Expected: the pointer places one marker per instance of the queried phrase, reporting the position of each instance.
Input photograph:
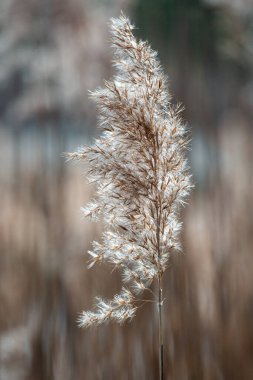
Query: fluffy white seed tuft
(140, 170)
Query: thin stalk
(160, 304)
(158, 228)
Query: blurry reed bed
(47, 54)
(44, 282)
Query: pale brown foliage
(140, 170)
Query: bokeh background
(51, 53)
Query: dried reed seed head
(140, 170)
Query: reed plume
(141, 173)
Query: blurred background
(51, 53)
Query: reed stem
(160, 331)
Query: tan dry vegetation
(48, 50)
(44, 282)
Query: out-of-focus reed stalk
(141, 174)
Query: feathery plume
(141, 174)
